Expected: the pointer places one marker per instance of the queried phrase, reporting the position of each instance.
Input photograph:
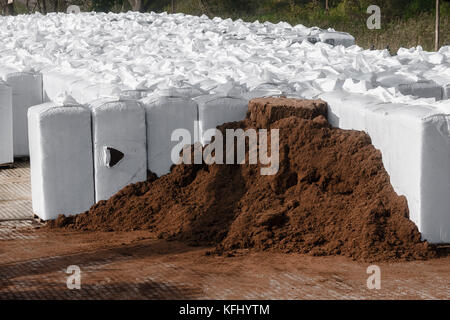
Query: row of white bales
(71, 141)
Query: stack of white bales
(225, 63)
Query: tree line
(391, 8)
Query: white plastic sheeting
(62, 174)
(415, 144)
(99, 54)
(166, 112)
(423, 89)
(26, 92)
(119, 141)
(57, 82)
(214, 110)
(6, 124)
(337, 38)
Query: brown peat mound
(331, 196)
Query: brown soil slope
(331, 196)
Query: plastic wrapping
(422, 89)
(119, 142)
(337, 38)
(26, 92)
(62, 173)
(214, 110)
(57, 82)
(164, 114)
(92, 55)
(415, 145)
(6, 124)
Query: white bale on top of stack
(423, 89)
(166, 111)
(26, 92)
(6, 124)
(61, 158)
(216, 109)
(119, 142)
(226, 103)
(336, 38)
(57, 81)
(415, 144)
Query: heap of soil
(331, 196)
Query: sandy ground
(136, 265)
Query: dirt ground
(136, 265)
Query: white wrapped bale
(119, 139)
(214, 110)
(26, 92)
(6, 124)
(85, 92)
(414, 142)
(422, 89)
(57, 82)
(348, 111)
(62, 174)
(336, 38)
(391, 79)
(261, 94)
(266, 90)
(165, 114)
